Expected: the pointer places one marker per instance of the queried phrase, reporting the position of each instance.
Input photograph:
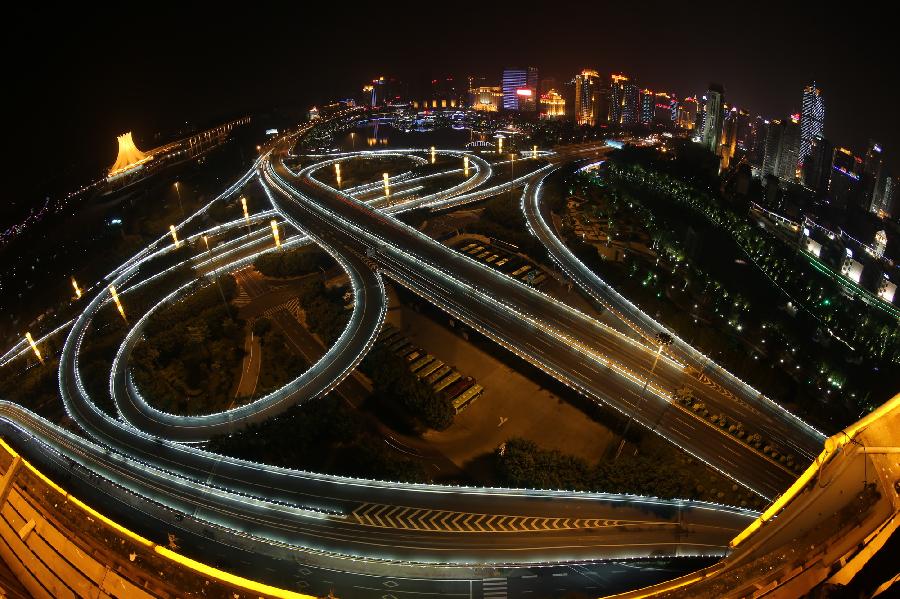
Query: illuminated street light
(337, 173)
(174, 235)
(432, 154)
(115, 296)
(77, 289)
(34, 348)
(275, 233)
(465, 166)
(500, 145)
(534, 152)
(387, 185)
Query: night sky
(80, 75)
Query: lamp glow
(115, 296)
(275, 233)
(34, 348)
(174, 235)
(77, 289)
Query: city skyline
(148, 93)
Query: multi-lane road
(341, 528)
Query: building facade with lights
(586, 89)
(553, 105)
(714, 119)
(812, 118)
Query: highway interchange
(147, 468)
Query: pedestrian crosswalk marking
(411, 518)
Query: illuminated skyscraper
(647, 106)
(715, 116)
(586, 84)
(513, 81)
(624, 101)
(687, 113)
(812, 118)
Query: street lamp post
(216, 277)
(174, 236)
(387, 185)
(465, 166)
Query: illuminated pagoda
(129, 158)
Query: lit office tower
(789, 149)
(513, 81)
(817, 166)
(843, 186)
(812, 118)
(687, 113)
(773, 132)
(586, 84)
(873, 174)
(617, 98)
(631, 106)
(715, 116)
(647, 106)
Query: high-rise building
(812, 118)
(817, 166)
(715, 113)
(843, 185)
(789, 149)
(743, 130)
(885, 206)
(664, 111)
(687, 113)
(553, 105)
(773, 131)
(647, 106)
(624, 101)
(514, 80)
(631, 108)
(586, 90)
(757, 149)
(873, 175)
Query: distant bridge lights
(174, 235)
(115, 296)
(275, 234)
(34, 347)
(77, 289)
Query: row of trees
(292, 263)
(522, 463)
(407, 400)
(322, 435)
(190, 354)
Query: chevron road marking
(422, 519)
